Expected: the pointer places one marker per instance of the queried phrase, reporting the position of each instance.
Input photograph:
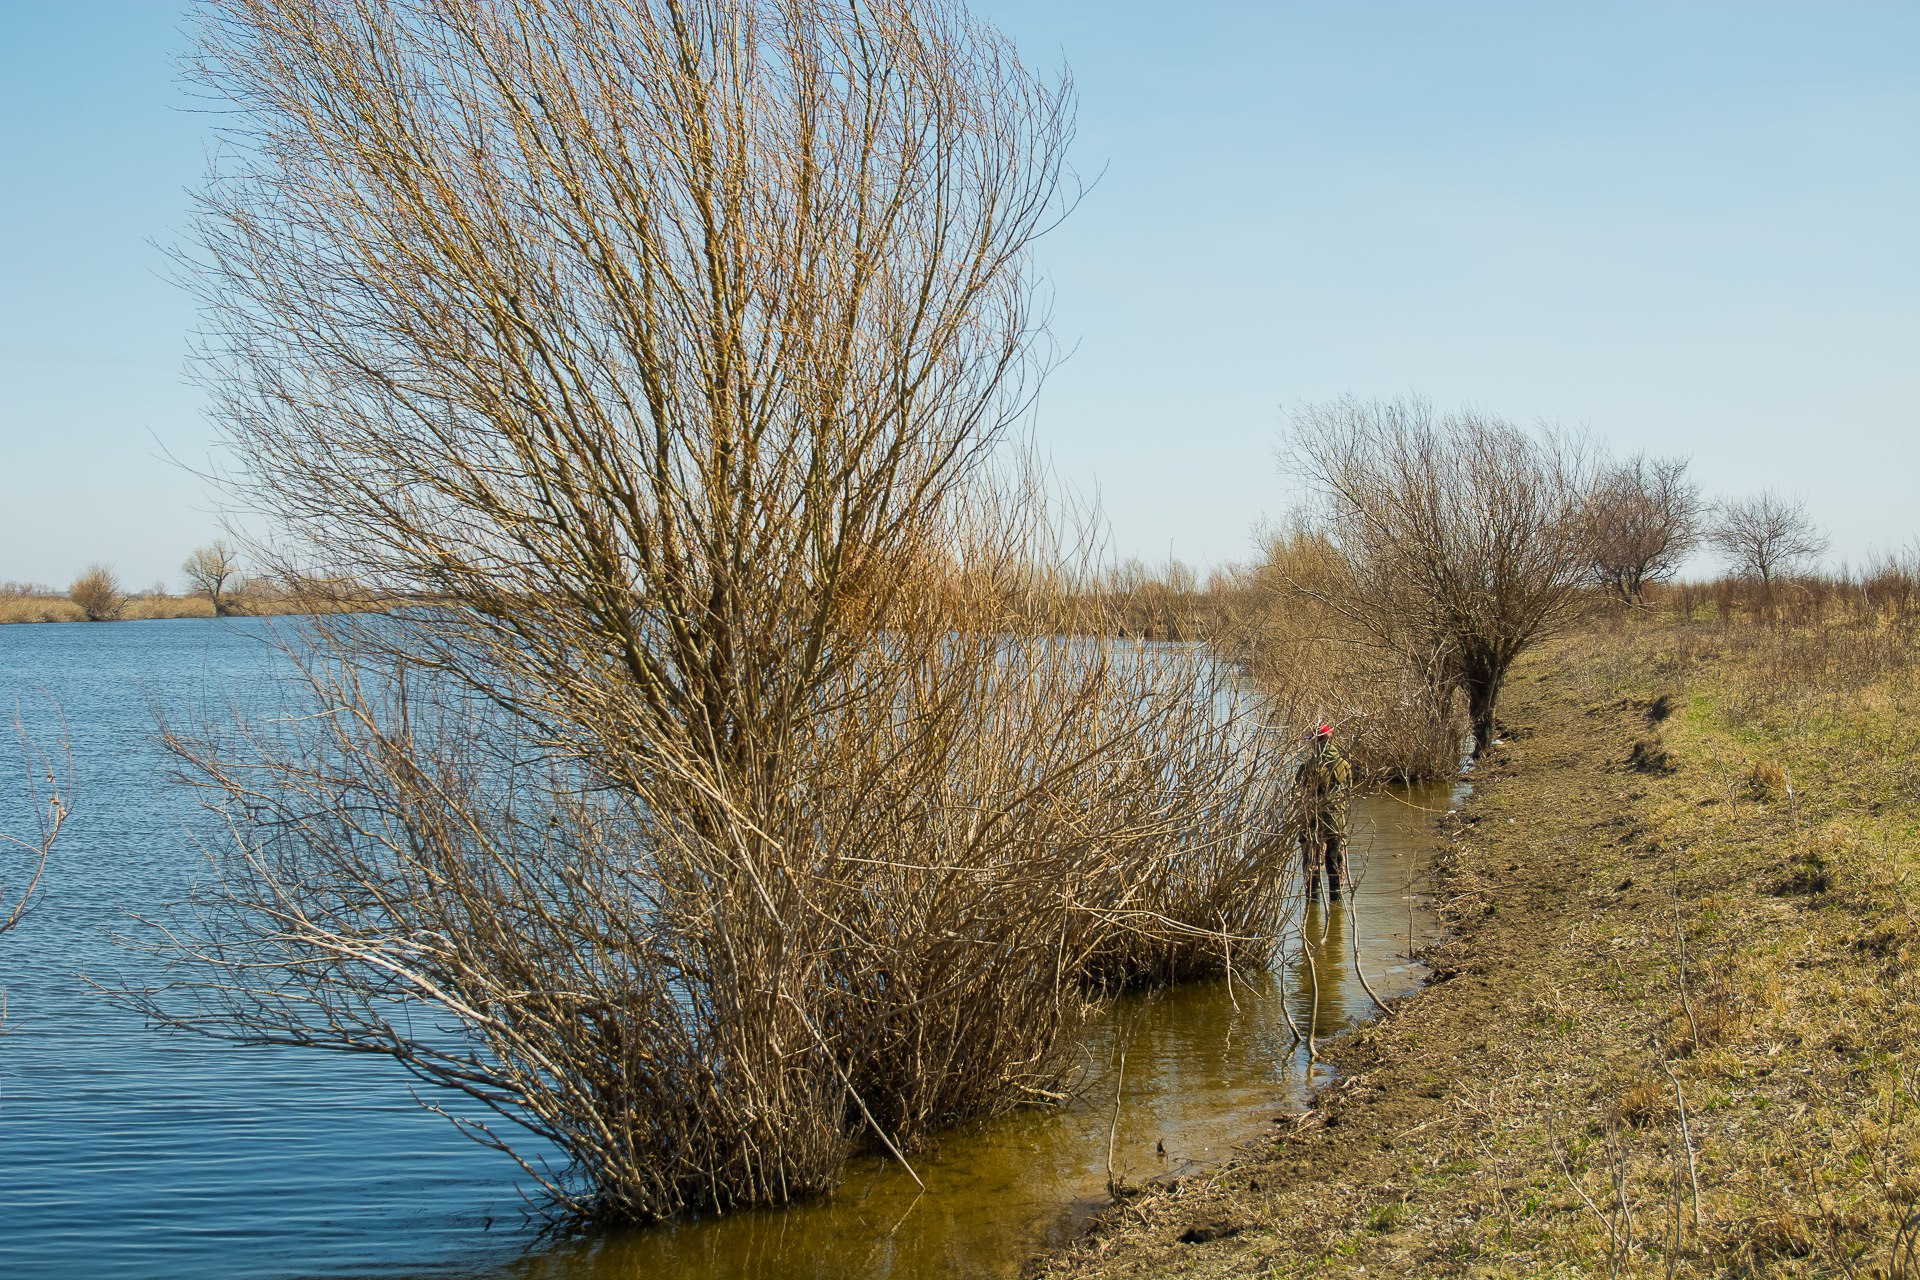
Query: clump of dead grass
(1641, 1104)
(1767, 781)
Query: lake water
(127, 1152)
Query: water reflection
(1320, 975)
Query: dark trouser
(1323, 849)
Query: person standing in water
(1323, 780)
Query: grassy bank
(1675, 1032)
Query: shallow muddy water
(126, 1152)
(1205, 1068)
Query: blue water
(126, 1151)
(131, 1152)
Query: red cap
(1323, 731)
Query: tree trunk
(1482, 694)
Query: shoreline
(1152, 1229)
(59, 611)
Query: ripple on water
(124, 1152)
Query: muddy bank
(1399, 1086)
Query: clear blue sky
(1688, 226)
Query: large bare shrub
(1457, 537)
(1642, 519)
(1394, 714)
(732, 798)
(98, 593)
(706, 997)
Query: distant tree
(98, 593)
(1459, 535)
(1641, 521)
(1766, 535)
(209, 570)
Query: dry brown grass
(152, 608)
(1767, 781)
(260, 601)
(40, 609)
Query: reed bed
(150, 608)
(24, 608)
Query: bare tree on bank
(208, 571)
(1766, 535)
(1643, 518)
(731, 805)
(1458, 536)
(98, 593)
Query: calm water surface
(125, 1152)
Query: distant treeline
(1394, 609)
(214, 586)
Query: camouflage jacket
(1323, 779)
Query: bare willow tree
(1458, 536)
(1766, 535)
(727, 798)
(1642, 519)
(208, 571)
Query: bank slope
(1675, 1031)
